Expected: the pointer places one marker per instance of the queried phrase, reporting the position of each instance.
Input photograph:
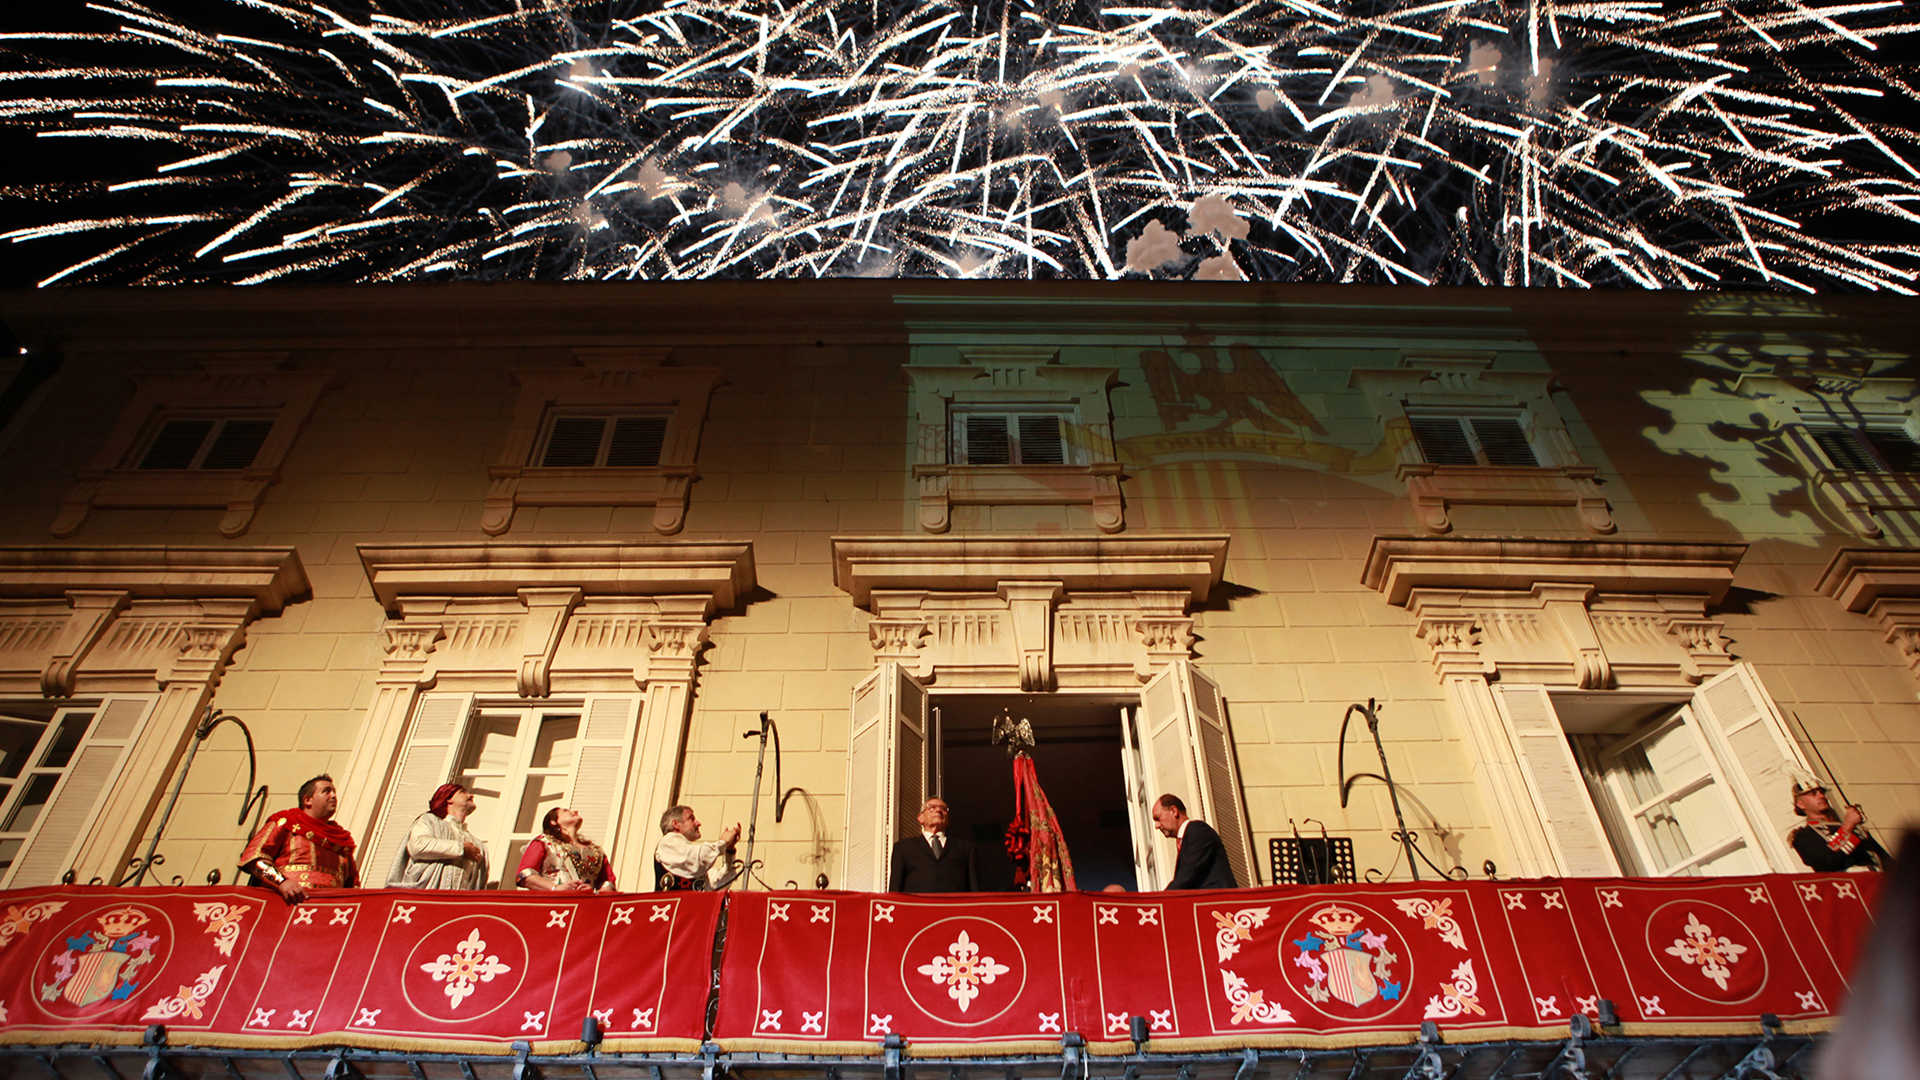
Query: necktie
(939, 845)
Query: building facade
(1616, 569)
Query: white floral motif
(466, 965)
(1232, 928)
(1712, 954)
(963, 969)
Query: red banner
(1344, 965)
(836, 972)
(380, 968)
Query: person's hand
(731, 836)
(580, 886)
(472, 849)
(291, 891)
(1852, 818)
(607, 889)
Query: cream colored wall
(805, 442)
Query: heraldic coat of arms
(103, 963)
(1346, 960)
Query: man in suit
(933, 861)
(1203, 858)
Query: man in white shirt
(440, 853)
(682, 861)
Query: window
(1044, 428)
(1010, 438)
(34, 755)
(211, 439)
(610, 441)
(519, 760)
(519, 764)
(621, 427)
(1871, 450)
(1664, 804)
(206, 442)
(1468, 435)
(1472, 440)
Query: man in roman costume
(440, 853)
(303, 849)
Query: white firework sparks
(1690, 144)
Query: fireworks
(1688, 144)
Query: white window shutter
(75, 802)
(1166, 754)
(1221, 774)
(426, 762)
(1146, 849)
(599, 783)
(1757, 755)
(886, 770)
(1559, 792)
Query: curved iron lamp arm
(139, 868)
(1408, 840)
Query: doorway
(1078, 758)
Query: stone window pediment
(212, 438)
(1065, 455)
(1469, 435)
(646, 409)
(1851, 438)
(1884, 585)
(1037, 613)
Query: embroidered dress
(564, 863)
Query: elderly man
(933, 861)
(302, 849)
(1202, 862)
(440, 853)
(682, 861)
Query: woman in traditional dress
(561, 860)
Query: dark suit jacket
(916, 870)
(1203, 860)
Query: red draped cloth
(1034, 842)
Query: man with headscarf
(302, 849)
(440, 853)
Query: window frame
(1797, 409)
(504, 842)
(1598, 755)
(1464, 418)
(244, 385)
(612, 418)
(220, 419)
(1865, 445)
(17, 784)
(1066, 416)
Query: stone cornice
(720, 569)
(1396, 566)
(271, 577)
(1858, 577)
(1190, 562)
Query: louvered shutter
(426, 762)
(1140, 796)
(1503, 441)
(886, 771)
(1442, 440)
(636, 441)
(1897, 450)
(75, 803)
(1041, 442)
(986, 441)
(1578, 840)
(1221, 774)
(1844, 447)
(237, 444)
(176, 444)
(574, 442)
(1757, 755)
(599, 781)
(1166, 754)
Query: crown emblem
(123, 920)
(1335, 921)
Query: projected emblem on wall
(1690, 144)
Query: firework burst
(1701, 143)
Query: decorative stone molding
(1884, 585)
(721, 571)
(1579, 614)
(1794, 407)
(612, 378)
(1014, 376)
(1467, 383)
(999, 612)
(242, 382)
